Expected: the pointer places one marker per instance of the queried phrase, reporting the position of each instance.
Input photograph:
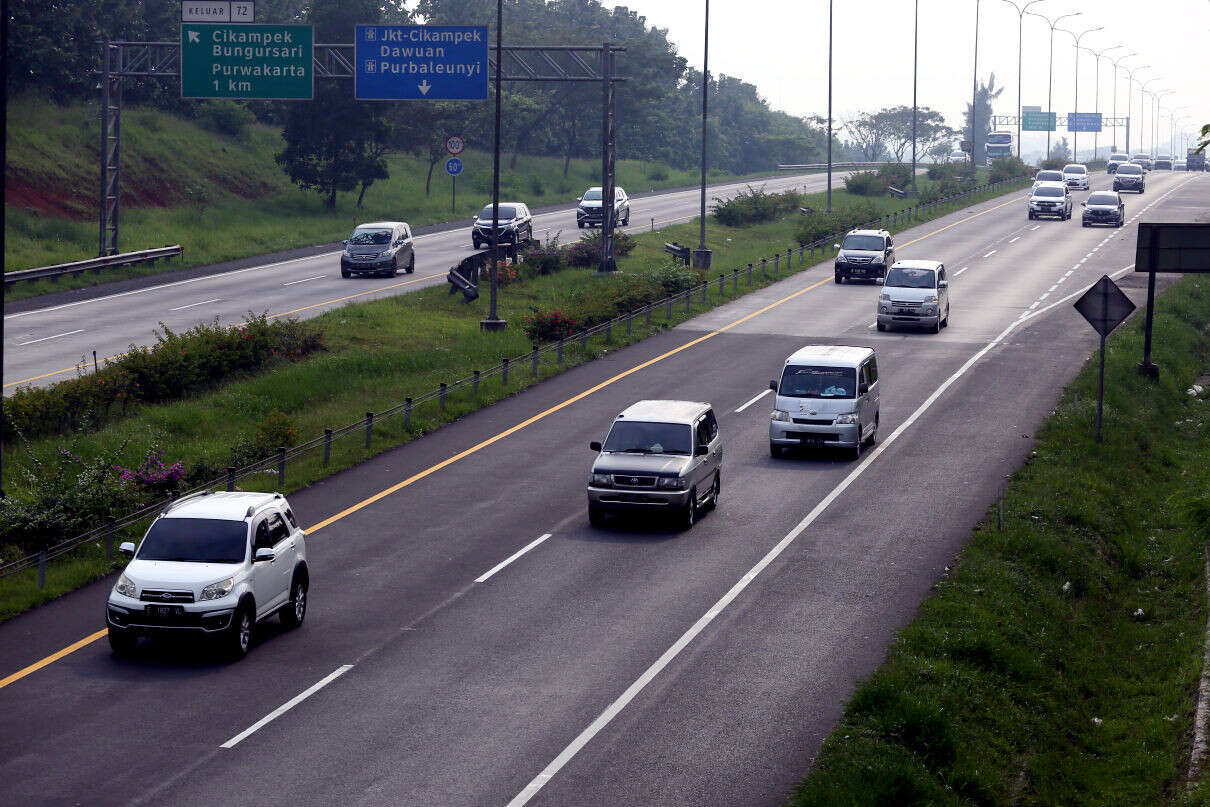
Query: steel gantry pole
(1096, 101)
(1075, 136)
(829, 106)
(1021, 11)
(1130, 103)
(1050, 71)
(1115, 63)
(975, 87)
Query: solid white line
(304, 280)
(287, 706)
(988, 255)
(688, 636)
(1052, 288)
(483, 577)
(194, 305)
(1034, 305)
(45, 338)
(1036, 226)
(758, 397)
(960, 271)
(1011, 240)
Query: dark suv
(1129, 177)
(516, 225)
(590, 213)
(864, 254)
(380, 248)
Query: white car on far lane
(1075, 176)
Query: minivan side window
(702, 429)
(711, 425)
(871, 369)
(261, 539)
(278, 531)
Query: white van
(827, 396)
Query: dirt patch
(19, 194)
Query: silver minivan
(915, 293)
(660, 457)
(827, 396)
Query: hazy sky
(781, 47)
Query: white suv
(212, 565)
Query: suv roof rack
(175, 502)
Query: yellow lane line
(87, 640)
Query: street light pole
(1130, 103)
(975, 88)
(829, 106)
(493, 321)
(1050, 71)
(1096, 99)
(1143, 111)
(1021, 10)
(1155, 119)
(701, 241)
(1115, 63)
(915, 61)
(1075, 136)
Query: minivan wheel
(715, 489)
(689, 511)
(239, 635)
(295, 610)
(345, 273)
(596, 515)
(412, 264)
(873, 438)
(775, 451)
(394, 267)
(122, 642)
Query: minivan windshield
(1120, 157)
(506, 212)
(592, 195)
(365, 238)
(1048, 191)
(636, 437)
(1049, 176)
(1103, 199)
(872, 243)
(196, 540)
(1130, 169)
(807, 381)
(1075, 169)
(906, 277)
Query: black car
(1104, 207)
(1129, 177)
(1115, 160)
(864, 254)
(379, 248)
(516, 225)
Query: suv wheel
(238, 638)
(774, 451)
(580, 223)
(596, 516)
(476, 242)
(838, 278)
(295, 610)
(412, 264)
(715, 489)
(689, 511)
(122, 642)
(345, 273)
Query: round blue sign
(453, 166)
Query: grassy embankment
(378, 353)
(225, 198)
(1058, 662)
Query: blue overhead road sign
(416, 62)
(1083, 121)
(453, 166)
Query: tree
(1205, 139)
(334, 143)
(930, 128)
(871, 131)
(1060, 150)
(984, 95)
(940, 150)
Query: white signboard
(218, 11)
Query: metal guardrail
(823, 166)
(93, 264)
(277, 464)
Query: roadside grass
(1058, 662)
(224, 198)
(378, 353)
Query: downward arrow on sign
(424, 87)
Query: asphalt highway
(45, 345)
(471, 640)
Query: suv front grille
(906, 303)
(813, 422)
(157, 595)
(633, 481)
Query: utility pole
(701, 257)
(1021, 11)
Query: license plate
(905, 311)
(811, 441)
(164, 611)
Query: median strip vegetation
(1058, 662)
(375, 355)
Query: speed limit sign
(454, 144)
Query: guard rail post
(42, 569)
(735, 280)
(789, 258)
(749, 274)
(560, 353)
(407, 414)
(369, 427)
(584, 340)
(721, 279)
(327, 447)
(441, 395)
(230, 479)
(668, 311)
(281, 467)
(649, 307)
(504, 373)
(705, 285)
(629, 321)
(533, 363)
(764, 264)
(688, 301)
(475, 376)
(110, 528)
(609, 330)
(776, 263)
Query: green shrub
(938, 171)
(548, 326)
(754, 205)
(898, 175)
(819, 224)
(864, 183)
(277, 430)
(225, 117)
(657, 173)
(1008, 168)
(1053, 164)
(674, 277)
(543, 259)
(587, 251)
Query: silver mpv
(827, 396)
(659, 457)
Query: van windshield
(592, 195)
(873, 243)
(365, 238)
(196, 540)
(507, 212)
(805, 381)
(636, 437)
(908, 278)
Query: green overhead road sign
(1038, 121)
(232, 60)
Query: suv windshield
(506, 212)
(1049, 176)
(196, 540)
(1120, 157)
(364, 238)
(1103, 199)
(1130, 169)
(805, 381)
(905, 277)
(592, 195)
(869, 242)
(1075, 169)
(1044, 191)
(649, 438)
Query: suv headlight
(884, 296)
(670, 483)
(779, 414)
(842, 420)
(932, 298)
(216, 591)
(125, 587)
(601, 480)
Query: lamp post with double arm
(1075, 136)
(1096, 106)
(1050, 73)
(1115, 63)
(1130, 103)
(1143, 111)
(1021, 12)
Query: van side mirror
(345, 242)
(773, 386)
(879, 280)
(127, 549)
(579, 198)
(836, 246)
(263, 554)
(1083, 204)
(595, 445)
(863, 388)
(701, 451)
